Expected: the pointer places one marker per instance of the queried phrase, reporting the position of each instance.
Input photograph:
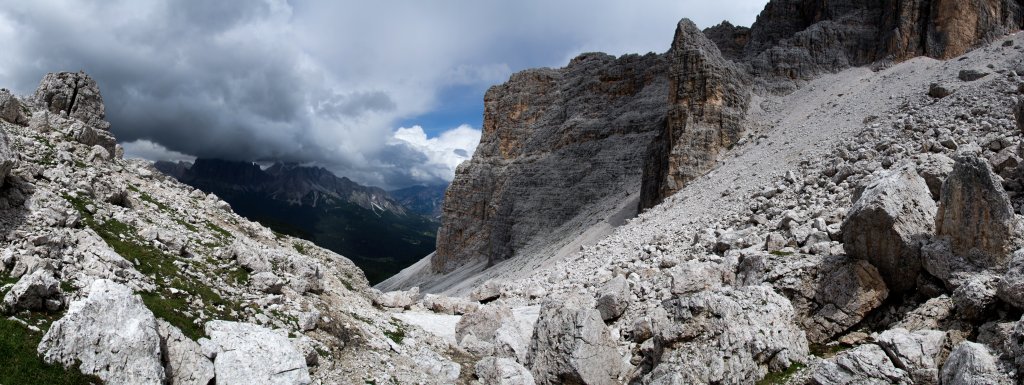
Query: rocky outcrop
(250, 354)
(975, 214)
(732, 336)
(11, 109)
(887, 225)
(972, 363)
(707, 105)
(798, 39)
(527, 178)
(571, 344)
(37, 291)
(920, 353)
(502, 371)
(110, 334)
(866, 364)
(74, 94)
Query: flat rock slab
(252, 354)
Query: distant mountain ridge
(423, 200)
(378, 232)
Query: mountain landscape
(829, 196)
(381, 234)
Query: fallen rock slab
(184, 362)
(887, 225)
(110, 334)
(571, 344)
(251, 354)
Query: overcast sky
(388, 93)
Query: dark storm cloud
(314, 81)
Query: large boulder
(934, 168)
(727, 336)
(110, 334)
(972, 364)
(920, 353)
(36, 291)
(502, 371)
(888, 224)
(449, 305)
(398, 299)
(863, 365)
(571, 344)
(251, 354)
(975, 220)
(75, 93)
(613, 298)
(184, 363)
(492, 330)
(829, 294)
(11, 108)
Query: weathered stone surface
(398, 299)
(111, 334)
(798, 39)
(887, 225)
(972, 364)
(975, 222)
(449, 305)
(920, 353)
(972, 74)
(251, 354)
(571, 344)
(11, 108)
(865, 365)
(829, 294)
(502, 371)
(268, 282)
(488, 291)
(484, 322)
(728, 336)
(183, 361)
(939, 90)
(8, 158)
(934, 168)
(524, 181)
(708, 103)
(613, 298)
(1011, 286)
(74, 93)
(32, 291)
(975, 296)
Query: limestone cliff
(554, 141)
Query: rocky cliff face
(554, 141)
(708, 100)
(799, 39)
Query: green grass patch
(219, 230)
(397, 335)
(239, 275)
(149, 198)
(299, 247)
(20, 364)
(781, 253)
(173, 308)
(828, 350)
(779, 378)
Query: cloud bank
(318, 81)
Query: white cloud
(442, 154)
(144, 149)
